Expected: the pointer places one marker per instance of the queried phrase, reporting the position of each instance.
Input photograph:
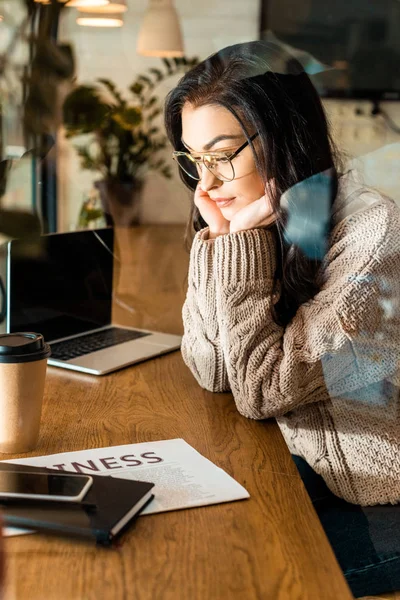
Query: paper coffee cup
(23, 363)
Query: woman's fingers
(201, 196)
(257, 214)
(210, 212)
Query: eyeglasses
(218, 163)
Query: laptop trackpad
(120, 355)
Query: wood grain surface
(270, 546)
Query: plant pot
(121, 201)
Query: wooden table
(268, 547)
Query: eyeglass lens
(220, 167)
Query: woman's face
(213, 128)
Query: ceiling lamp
(114, 6)
(98, 19)
(87, 3)
(160, 32)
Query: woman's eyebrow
(218, 138)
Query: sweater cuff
(245, 256)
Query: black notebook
(117, 502)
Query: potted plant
(125, 140)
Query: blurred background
(83, 83)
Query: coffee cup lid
(23, 347)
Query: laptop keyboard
(92, 342)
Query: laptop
(61, 285)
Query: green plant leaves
(84, 111)
(167, 172)
(146, 80)
(87, 160)
(128, 117)
(127, 139)
(168, 65)
(153, 100)
(110, 86)
(136, 88)
(159, 75)
(154, 114)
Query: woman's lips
(222, 202)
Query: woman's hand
(210, 212)
(257, 214)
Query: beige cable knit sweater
(332, 375)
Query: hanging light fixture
(114, 6)
(160, 33)
(99, 19)
(87, 3)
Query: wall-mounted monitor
(360, 39)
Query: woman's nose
(208, 180)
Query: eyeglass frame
(178, 153)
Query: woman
(294, 281)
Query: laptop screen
(61, 284)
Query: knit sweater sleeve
(201, 347)
(338, 342)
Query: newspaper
(183, 478)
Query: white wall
(207, 25)
(368, 143)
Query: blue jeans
(365, 539)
